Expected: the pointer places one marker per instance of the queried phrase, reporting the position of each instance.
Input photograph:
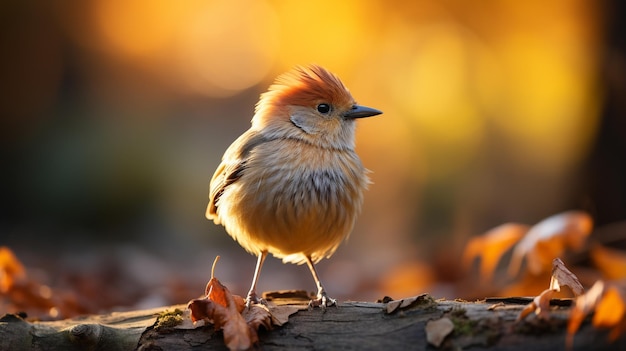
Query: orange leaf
(611, 262)
(610, 309)
(216, 292)
(11, 269)
(540, 305)
(223, 309)
(491, 246)
(608, 300)
(584, 304)
(237, 334)
(549, 238)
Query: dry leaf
(540, 305)
(436, 331)
(610, 309)
(491, 246)
(611, 262)
(258, 315)
(223, 309)
(549, 239)
(584, 304)
(563, 276)
(11, 269)
(280, 314)
(608, 301)
(216, 291)
(394, 305)
(226, 311)
(237, 334)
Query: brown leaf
(608, 301)
(216, 291)
(540, 305)
(491, 246)
(237, 334)
(563, 276)
(223, 309)
(258, 315)
(280, 314)
(205, 309)
(436, 331)
(394, 305)
(549, 239)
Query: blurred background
(115, 114)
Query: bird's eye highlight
(323, 108)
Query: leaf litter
(561, 276)
(226, 311)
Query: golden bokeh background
(117, 113)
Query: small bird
(292, 185)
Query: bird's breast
(295, 197)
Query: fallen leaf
(549, 239)
(583, 305)
(608, 301)
(223, 309)
(540, 305)
(611, 262)
(280, 314)
(258, 315)
(237, 334)
(216, 291)
(490, 247)
(11, 269)
(609, 309)
(228, 313)
(563, 276)
(436, 331)
(395, 305)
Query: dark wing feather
(231, 168)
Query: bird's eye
(323, 108)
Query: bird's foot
(322, 301)
(253, 299)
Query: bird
(292, 185)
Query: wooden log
(489, 324)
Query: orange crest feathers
(306, 86)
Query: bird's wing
(233, 163)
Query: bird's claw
(322, 301)
(253, 299)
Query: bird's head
(310, 104)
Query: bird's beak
(359, 111)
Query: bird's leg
(322, 299)
(252, 296)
